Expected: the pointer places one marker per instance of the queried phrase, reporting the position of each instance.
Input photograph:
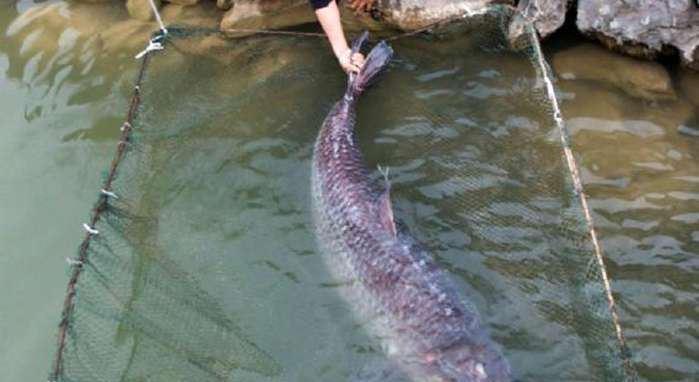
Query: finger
(349, 68)
(358, 59)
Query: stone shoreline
(115, 26)
(640, 28)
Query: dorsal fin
(385, 209)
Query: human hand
(361, 5)
(351, 63)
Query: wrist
(344, 56)
(342, 51)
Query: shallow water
(235, 134)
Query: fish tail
(376, 61)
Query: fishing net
(200, 263)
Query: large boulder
(355, 22)
(590, 107)
(547, 15)
(266, 14)
(224, 4)
(204, 15)
(130, 35)
(402, 14)
(644, 28)
(637, 78)
(184, 2)
(415, 14)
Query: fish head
(479, 362)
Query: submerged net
(200, 263)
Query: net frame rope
(97, 211)
(580, 193)
(157, 42)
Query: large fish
(393, 285)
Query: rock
(141, 9)
(224, 4)
(266, 14)
(403, 14)
(606, 109)
(518, 32)
(620, 138)
(204, 15)
(644, 28)
(689, 84)
(129, 35)
(184, 2)
(355, 22)
(640, 79)
(415, 14)
(547, 15)
(213, 47)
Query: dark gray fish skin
(434, 334)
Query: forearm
(329, 19)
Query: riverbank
(648, 29)
(110, 28)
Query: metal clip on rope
(109, 194)
(73, 262)
(90, 230)
(156, 43)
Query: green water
(233, 204)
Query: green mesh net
(204, 267)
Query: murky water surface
(229, 182)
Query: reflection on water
(461, 134)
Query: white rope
(157, 17)
(577, 183)
(156, 43)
